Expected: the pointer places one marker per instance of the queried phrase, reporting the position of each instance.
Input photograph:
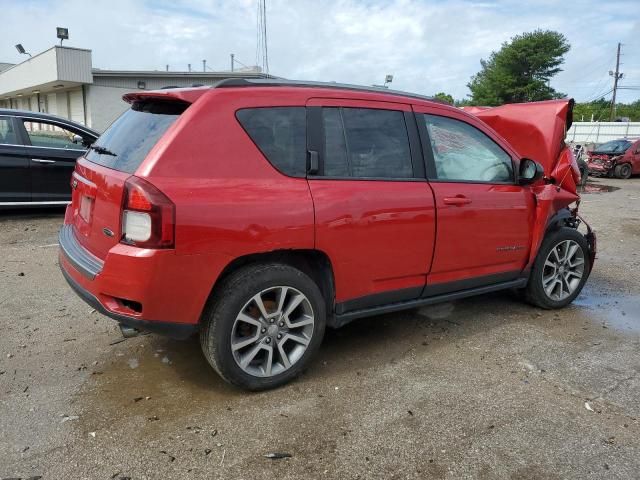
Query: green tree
(445, 97)
(599, 110)
(520, 71)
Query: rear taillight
(148, 216)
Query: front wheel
(560, 270)
(263, 326)
(623, 171)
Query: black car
(38, 152)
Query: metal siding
(63, 108)
(33, 103)
(131, 83)
(74, 65)
(76, 106)
(105, 105)
(52, 104)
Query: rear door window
(126, 143)
(7, 133)
(281, 135)
(49, 135)
(366, 143)
(336, 163)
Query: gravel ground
(479, 388)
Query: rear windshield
(126, 143)
(614, 146)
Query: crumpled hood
(536, 130)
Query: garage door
(76, 105)
(52, 105)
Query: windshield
(615, 146)
(126, 143)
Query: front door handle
(458, 200)
(42, 160)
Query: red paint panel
(378, 234)
(171, 288)
(103, 189)
(490, 234)
(233, 217)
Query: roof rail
(250, 82)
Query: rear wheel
(560, 270)
(623, 171)
(263, 326)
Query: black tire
(232, 297)
(623, 171)
(535, 292)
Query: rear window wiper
(102, 150)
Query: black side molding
(179, 331)
(345, 318)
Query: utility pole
(616, 76)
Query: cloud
(428, 46)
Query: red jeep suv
(259, 212)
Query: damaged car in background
(617, 158)
(257, 213)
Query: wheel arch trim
(314, 263)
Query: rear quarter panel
(229, 200)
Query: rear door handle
(42, 160)
(458, 200)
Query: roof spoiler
(187, 95)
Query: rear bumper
(179, 331)
(153, 290)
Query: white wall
(58, 64)
(104, 104)
(600, 132)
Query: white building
(62, 81)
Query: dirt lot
(480, 388)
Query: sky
(427, 45)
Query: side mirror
(530, 171)
(77, 139)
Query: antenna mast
(262, 51)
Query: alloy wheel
(563, 270)
(272, 331)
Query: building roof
(98, 72)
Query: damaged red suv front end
(537, 130)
